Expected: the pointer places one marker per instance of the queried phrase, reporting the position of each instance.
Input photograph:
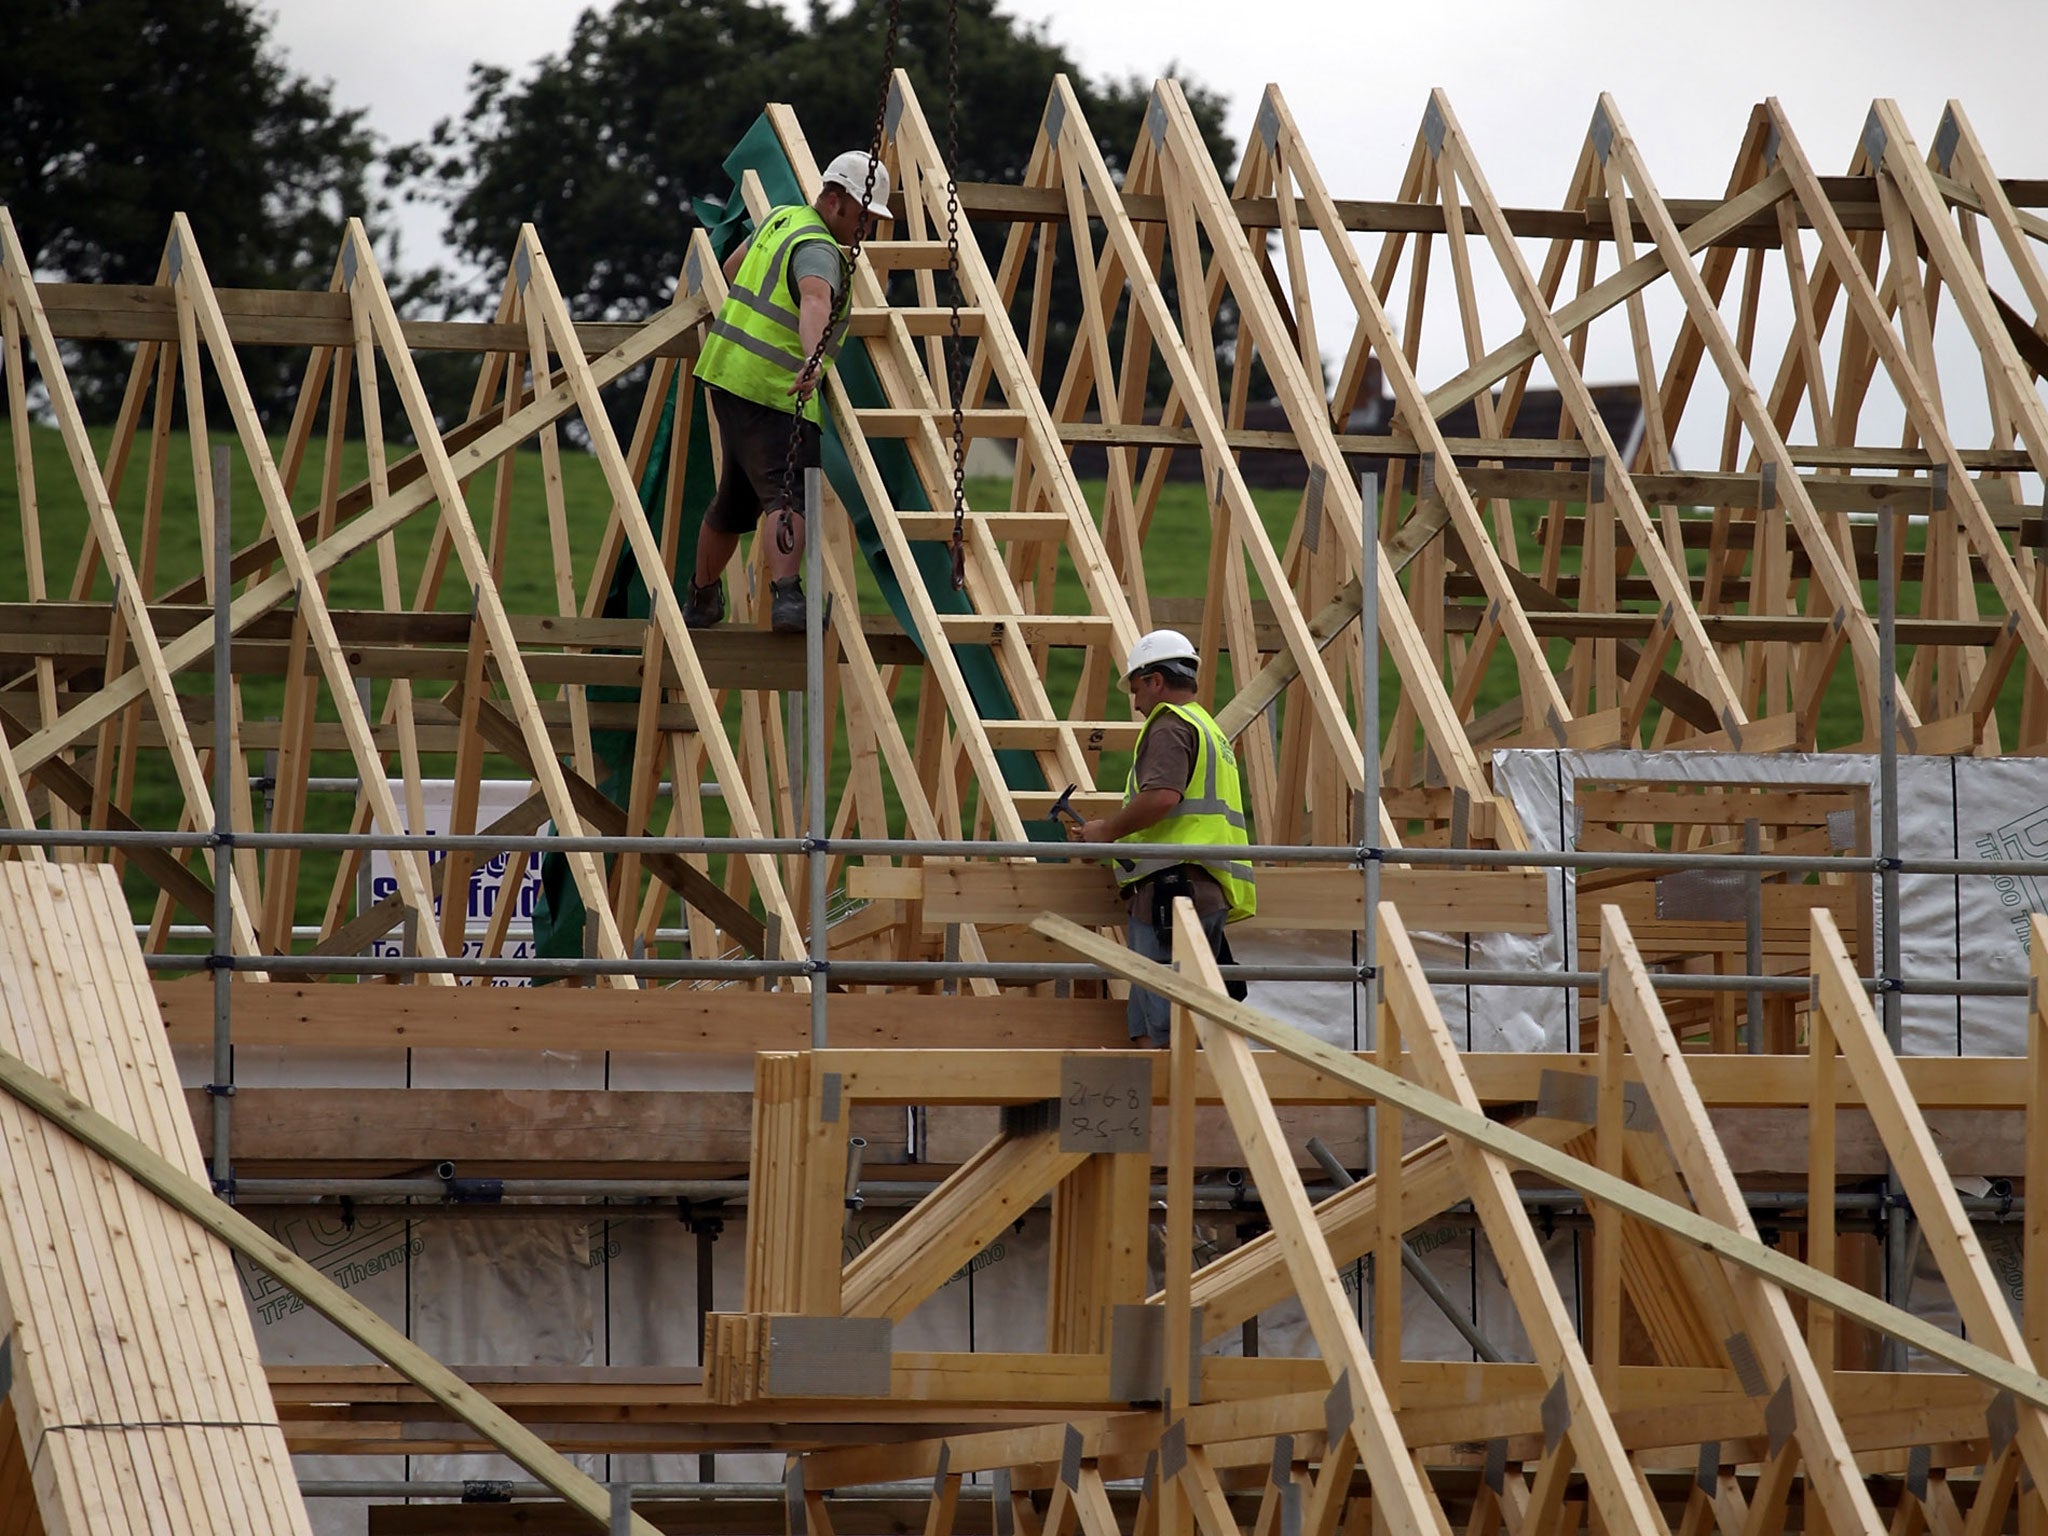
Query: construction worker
(785, 287)
(1182, 788)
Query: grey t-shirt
(819, 259)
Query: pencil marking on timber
(1105, 1103)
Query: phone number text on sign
(486, 879)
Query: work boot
(786, 612)
(706, 606)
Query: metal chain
(956, 361)
(785, 530)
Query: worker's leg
(715, 549)
(1149, 1017)
(743, 438)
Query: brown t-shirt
(1166, 760)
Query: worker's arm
(1145, 809)
(732, 262)
(814, 313)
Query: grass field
(1176, 566)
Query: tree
(118, 113)
(603, 146)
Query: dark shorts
(756, 443)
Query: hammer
(1060, 807)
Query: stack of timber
(138, 1401)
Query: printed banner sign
(496, 797)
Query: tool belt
(1167, 887)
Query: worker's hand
(1092, 832)
(805, 383)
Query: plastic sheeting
(498, 1291)
(1949, 926)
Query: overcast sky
(1522, 76)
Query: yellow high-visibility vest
(1211, 811)
(754, 350)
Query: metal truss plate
(829, 1356)
(1137, 1354)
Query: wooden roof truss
(1726, 1409)
(1650, 604)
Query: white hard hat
(1160, 645)
(850, 171)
